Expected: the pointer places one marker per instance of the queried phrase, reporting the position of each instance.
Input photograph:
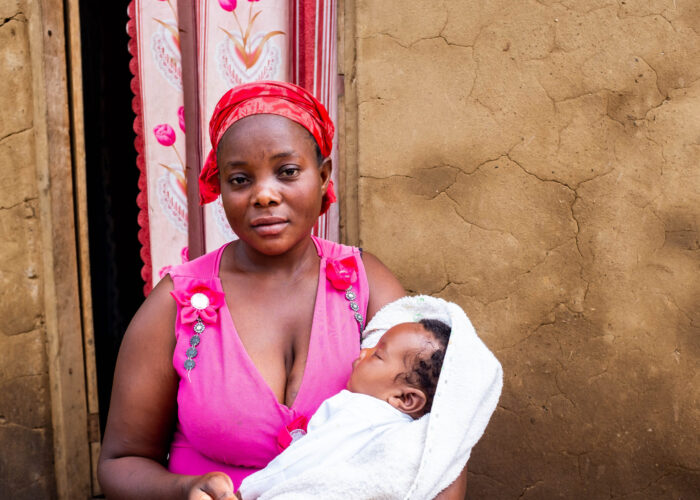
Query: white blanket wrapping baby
(416, 459)
(342, 426)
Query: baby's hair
(426, 370)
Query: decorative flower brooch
(342, 274)
(199, 304)
(295, 430)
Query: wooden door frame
(347, 125)
(60, 163)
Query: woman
(198, 403)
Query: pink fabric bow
(342, 273)
(188, 311)
(285, 437)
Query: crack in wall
(471, 223)
(471, 472)
(505, 408)
(652, 16)
(19, 17)
(16, 132)
(642, 489)
(392, 176)
(529, 487)
(15, 205)
(656, 77)
(541, 179)
(15, 425)
(544, 259)
(416, 41)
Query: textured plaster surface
(25, 420)
(538, 162)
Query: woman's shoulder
(383, 285)
(205, 266)
(332, 250)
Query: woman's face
(271, 183)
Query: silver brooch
(351, 296)
(195, 339)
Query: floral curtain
(235, 42)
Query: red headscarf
(265, 97)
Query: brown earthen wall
(538, 163)
(26, 459)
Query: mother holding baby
(232, 351)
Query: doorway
(112, 184)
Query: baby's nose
(364, 352)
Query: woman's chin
(272, 245)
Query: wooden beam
(348, 174)
(75, 79)
(60, 271)
(187, 23)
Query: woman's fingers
(212, 486)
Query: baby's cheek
(350, 385)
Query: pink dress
(228, 418)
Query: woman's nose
(266, 194)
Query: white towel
(342, 427)
(418, 460)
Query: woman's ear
(325, 172)
(410, 400)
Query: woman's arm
(457, 490)
(383, 285)
(143, 411)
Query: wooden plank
(60, 271)
(348, 174)
(187, 23)
(75, 74)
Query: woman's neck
(243, 258)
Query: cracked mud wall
(537, 162)
(26, 468)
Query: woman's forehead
(268, 123)
(276, 132)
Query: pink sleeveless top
(228, 418)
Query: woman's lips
(269, 226)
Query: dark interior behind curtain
(112, 176)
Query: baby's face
(375, 372)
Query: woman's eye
(289, 171)
(238, 180)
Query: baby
(391, 384)
(403, 368)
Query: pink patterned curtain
(215, 45)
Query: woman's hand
(212, 486)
